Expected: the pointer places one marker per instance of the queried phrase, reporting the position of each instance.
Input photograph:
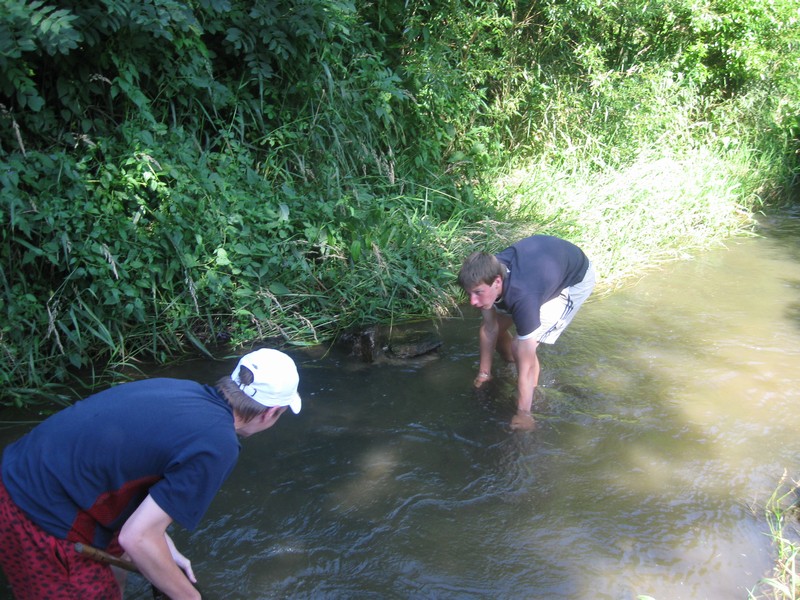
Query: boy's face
(483, 295)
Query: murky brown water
(669, 414)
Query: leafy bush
(181, 174)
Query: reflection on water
(667, 419)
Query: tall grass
(660, 183)
(781, 515)
(660, 207)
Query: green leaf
(278, 289)
(221, 257)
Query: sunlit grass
(650, 172)
(661, 207)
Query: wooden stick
(104, 557)
(109, 559)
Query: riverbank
(780, 513)
(169, 230)
(661, 207)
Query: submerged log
(374, 343)
(423, 344)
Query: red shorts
(39, 566)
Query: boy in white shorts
(537, 285)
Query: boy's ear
(273, 410)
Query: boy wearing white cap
(113, 471)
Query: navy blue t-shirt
(82, 472)
(539, 268)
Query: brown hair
(479, 267)
(242, 404)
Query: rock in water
(373, 343)
(417, 346)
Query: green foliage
(180, 174)
(28, 27)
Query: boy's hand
(523, 421)
(481, 378)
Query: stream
(667, 417)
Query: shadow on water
(667, 416)
(785, 230)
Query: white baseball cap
(275, 378)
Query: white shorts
(557, 313)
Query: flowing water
(668, 415)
